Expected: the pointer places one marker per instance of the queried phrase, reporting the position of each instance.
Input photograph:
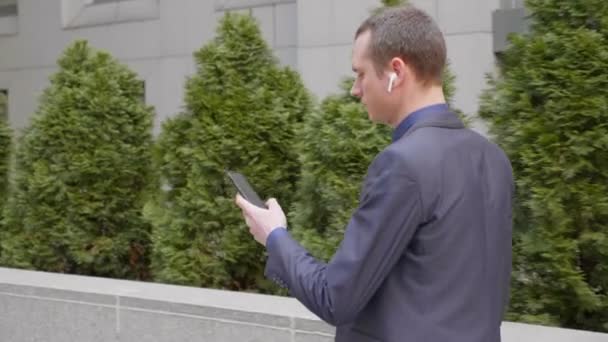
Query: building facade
(156, 39)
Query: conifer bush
(548, 108)
(242, 110)
(83, 171)
(5, 152)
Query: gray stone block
(323, 68)
(347, 17)
(306, 337)
(42, 292)
(466, 16)
(28, 319)
(314, 326)
(286, 25)
(428, 6)
(222, 5)
(265, 18)
(315, 27)
(206, 312)
(471, 56)
(287, 56)
(145, 326)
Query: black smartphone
(245, 189)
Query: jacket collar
(443, 118)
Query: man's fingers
(243, 203)
(238, 200)
(272, 204)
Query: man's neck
(425, 97)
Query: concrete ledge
(57, 307)
(38, 306)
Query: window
(4, 105)
(8, 17)
(82, 13)
(8, 8)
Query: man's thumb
(243, 203)
(273, 204)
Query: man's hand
(261, 221)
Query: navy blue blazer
(426, 256)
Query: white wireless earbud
(391, 78)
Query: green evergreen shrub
(241, 114)
(548, 108)
(83, 170)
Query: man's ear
(398, 70)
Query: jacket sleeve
(376, 237)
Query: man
(426, 255)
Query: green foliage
(336, 145)
(5, 151)
(384, 4)
(393, 3)
(3, 104)
(241, 112)
(549, 110)
(82, 172)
